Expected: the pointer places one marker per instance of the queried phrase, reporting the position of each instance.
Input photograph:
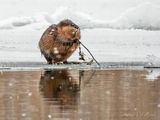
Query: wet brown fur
(59, 41)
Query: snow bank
(145, 16)
(16, 22)
(82, 19)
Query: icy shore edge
(103, 66)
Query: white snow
(106, 45)
(52, 78)
(153, 60)
(144, 16)
(30, 94)
(49, 116)
(11, 97)
(158, 105)
(23, 114)
(10, 84)
(16, 22)
(116, 40)
(55, 51)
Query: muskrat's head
(69, 30)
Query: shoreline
(83, 66)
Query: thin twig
(89, 53)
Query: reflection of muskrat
(62, 85)
(59, 41)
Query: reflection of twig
(80, 76)
(88, 80)
(143, 115)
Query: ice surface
(107, 45)
(153, 60)
(144, 16)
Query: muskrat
(59, 41)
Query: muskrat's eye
(72, 24)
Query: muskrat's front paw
(71, 62)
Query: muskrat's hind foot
(65, 62)
(49, 60)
